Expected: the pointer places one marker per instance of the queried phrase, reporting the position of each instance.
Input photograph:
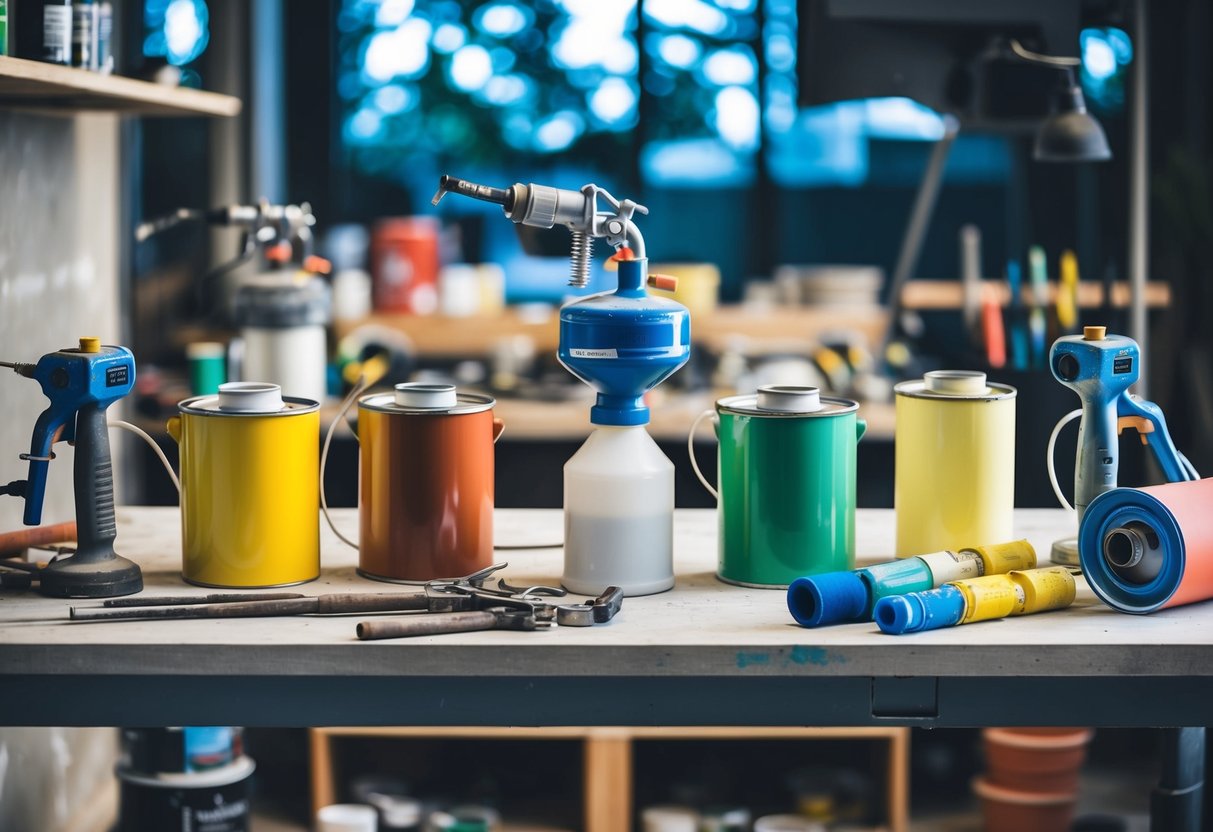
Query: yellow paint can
(250, 508)
(954, 453)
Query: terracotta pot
(1009, 810)
(1038, 760)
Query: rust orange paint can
(426, 508)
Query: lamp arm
(1056, 61)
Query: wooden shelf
(764, 331)
(608, 759)
(33, 85)
(949, 294)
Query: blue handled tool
(1101, 368)
(81, 384)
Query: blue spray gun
(1101, 368)
(81, 384)
(619, 487)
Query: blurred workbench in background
(771, 329)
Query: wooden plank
(48, 87)
(324, 778)
(949, 294)
(608, 780)
(897, 780)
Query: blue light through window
(491, 84)
(1106, 55)
(177, 30)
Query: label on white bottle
(57, 34)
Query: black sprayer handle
(93, 476)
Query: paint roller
(1146, 549)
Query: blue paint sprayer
(81, 384)
(619, 487)
(1101, 368)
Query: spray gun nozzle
(19, 368)
(501, 196)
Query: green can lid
(786, 401)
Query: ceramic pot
(1010, 810)
(1039, 760)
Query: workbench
(705, 653)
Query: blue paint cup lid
(832, 598)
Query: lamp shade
(1070, 134)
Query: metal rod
(916, 228)
(190, 600)
(1139, 193)
(314, 605)
(1175, 803)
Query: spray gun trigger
(1141, 424)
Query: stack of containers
(1031, 781)
(184, 780)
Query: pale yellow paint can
(250, 494)
(954, 483)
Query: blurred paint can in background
(404, 265)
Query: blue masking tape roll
(917, 611)
(830, 598)
(896, 577)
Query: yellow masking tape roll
(1001, 558)
(994, 596)
(1051, 588)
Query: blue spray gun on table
(619, 487)
(1101, 368)
(81, 384)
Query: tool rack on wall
(610, 759)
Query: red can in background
(404, 265)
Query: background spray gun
(1101, 368)
(81, 384)
(619, 487)
(281, 311)
(541, 206)
(264, 224)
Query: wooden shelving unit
(949, 294)
(765, 331)
(607, 755)
(33, 85)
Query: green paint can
(787, 484)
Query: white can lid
(250, 397)
(424, 394)
(956, 382)
(789, 399)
